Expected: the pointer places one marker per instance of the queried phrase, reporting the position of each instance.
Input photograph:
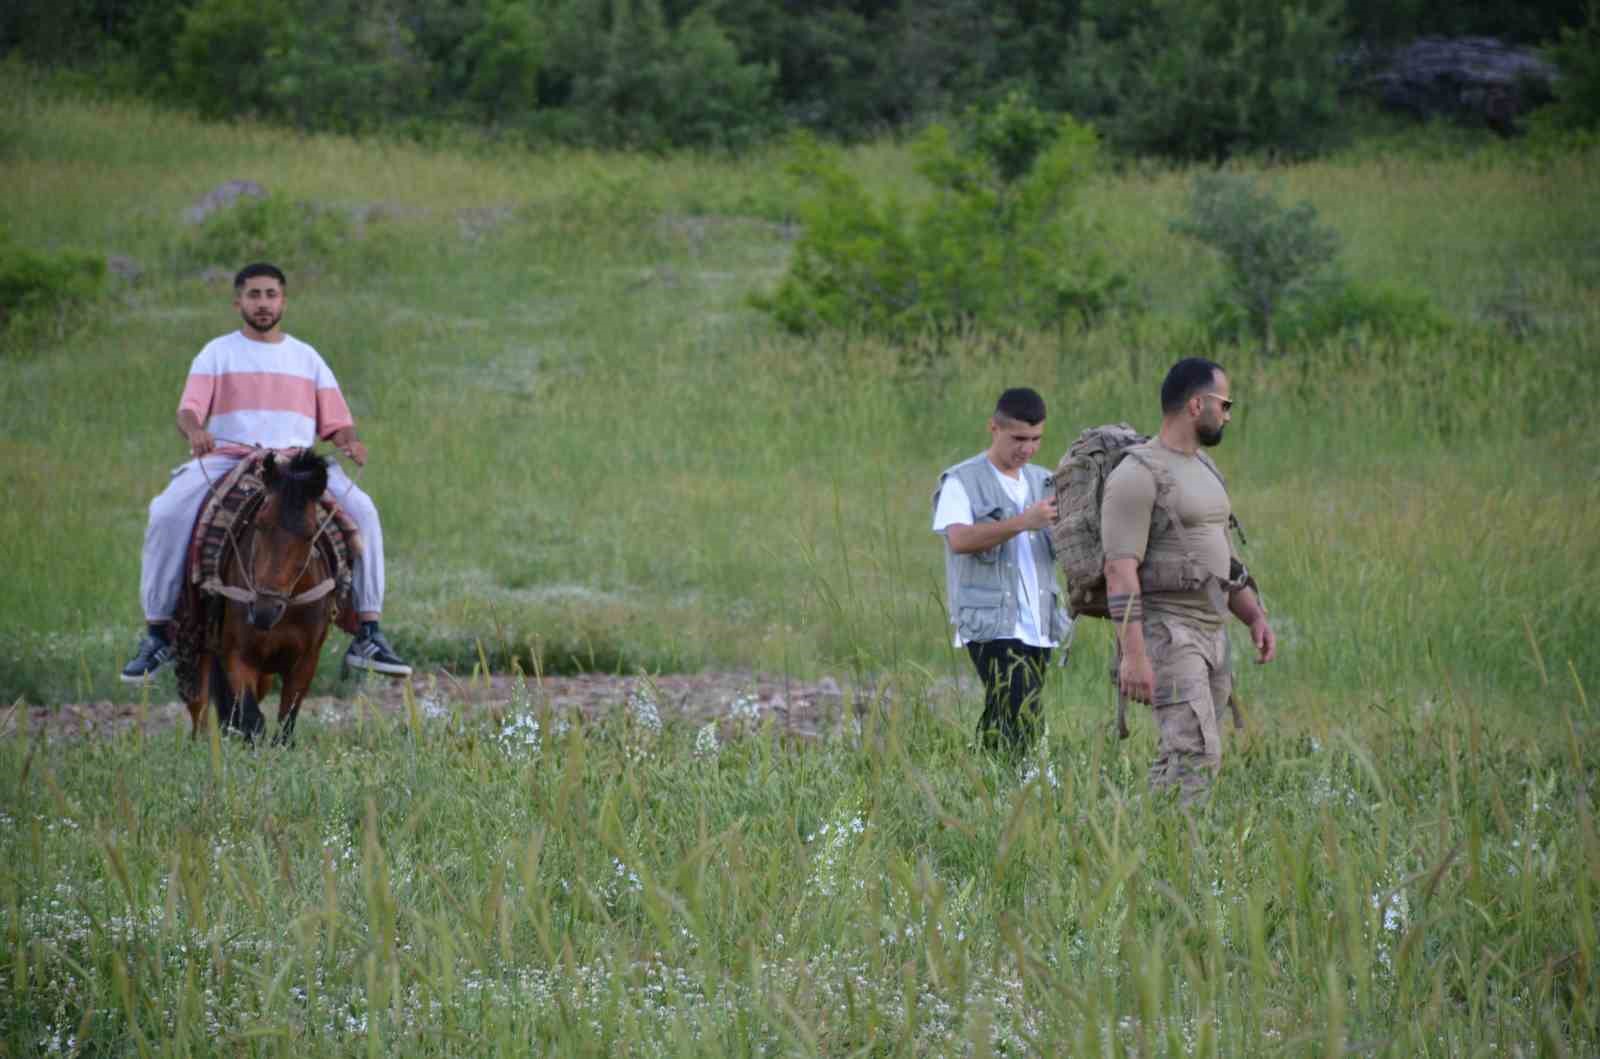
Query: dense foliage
(1190, 78)
(37, 289)
(1577, 54)
(999, 245)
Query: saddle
(197, 625)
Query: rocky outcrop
(221, 197)
(1479, 80)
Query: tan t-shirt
(1202, 504)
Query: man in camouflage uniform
(1172, 576)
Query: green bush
(1576, 109)
(1274, 256)
(39, 291)
(272, 227)
(998, 246)
(1335, 308)
(1347, 307)
(1207, 79)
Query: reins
(250, 593)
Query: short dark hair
(1189, 376)
(260, 268)
(1020, 405)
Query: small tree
(998, 245)
(1273, 254)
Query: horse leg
(202, 692)
(222, 694)
(255, 694)
(246, 716)
(295, 686)
(262, 689)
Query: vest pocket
(981, 611)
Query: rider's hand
(201, 442)
(1041, 515)
(356, 451)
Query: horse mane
(301, 483)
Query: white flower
(705, 740)
(642, 705)
(745, 707)
(521, 732)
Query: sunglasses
(1226, 402)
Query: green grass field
(590, 452)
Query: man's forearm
(1245, 606)
(1123, 592)
(188, 422)
(965, 540)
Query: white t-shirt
(955, 508)
(278, 394)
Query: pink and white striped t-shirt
(278, 394)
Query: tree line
(1179, 78)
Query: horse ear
(269, 470)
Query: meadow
(591, 452)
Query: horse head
(283, 537)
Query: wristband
(1125, 607)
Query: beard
(1207, 435)
(261, 324)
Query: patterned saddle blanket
(230, 507)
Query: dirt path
(805, 708)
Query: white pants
(172, 515)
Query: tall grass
(1410, 879)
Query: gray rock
(1479, 80)
(479, 221)
(221, 197)
(123, 267)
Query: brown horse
(279, 602)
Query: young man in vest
(995, 511)
(1172, 578)
(256, 386)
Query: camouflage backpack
(1080, 483)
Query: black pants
(1013, 684)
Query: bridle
(251, 593)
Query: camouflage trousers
(1193, 683)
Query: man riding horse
(256, 386)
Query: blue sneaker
(154, 652)
(371, 651)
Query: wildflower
(643, 707)
(745, 707)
